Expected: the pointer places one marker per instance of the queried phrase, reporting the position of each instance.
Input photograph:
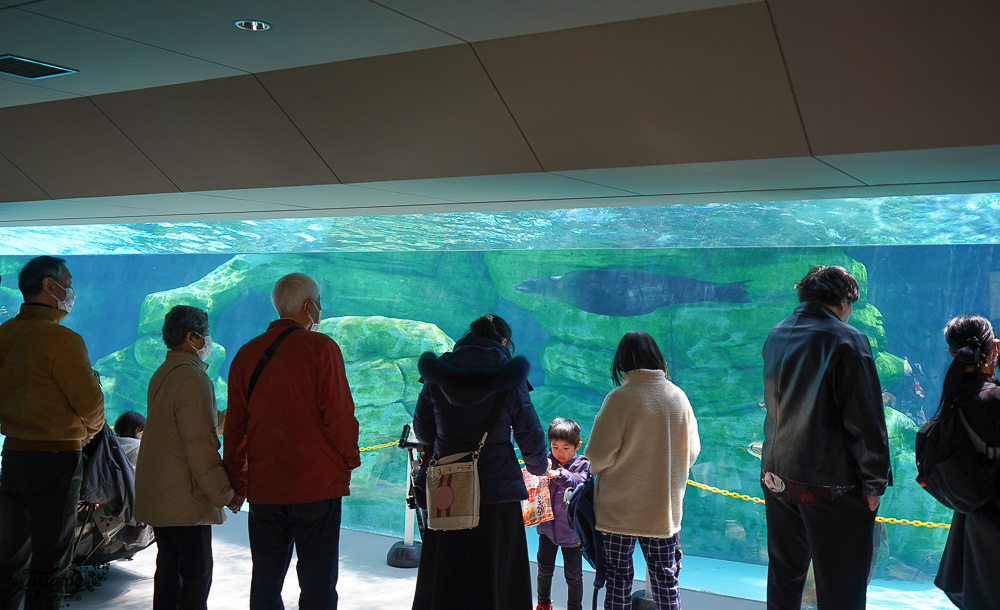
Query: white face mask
(67, 303)
(314, 324)
(206, 351)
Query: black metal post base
(640, 601)
(402, 555)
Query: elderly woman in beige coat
(181, 485)
(644, 442)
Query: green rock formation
(451, 288)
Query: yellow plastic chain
(761, 501)
(733, 494)
(383, 445)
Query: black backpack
(580, 512)
(949, 468)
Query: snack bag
(538, 507)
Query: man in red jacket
(291, 441)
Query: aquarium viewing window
(706, 280)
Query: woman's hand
(235, 504)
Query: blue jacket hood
(476, 369)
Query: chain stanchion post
(405, 553)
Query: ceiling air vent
(29, 68)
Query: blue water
(910, 220)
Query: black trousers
(39, 491)
(572, 570)
(183, 567)
(835, 535)
(314, 529)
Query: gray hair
(292, 291)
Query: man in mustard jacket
(50, 405)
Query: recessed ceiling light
(252, 25)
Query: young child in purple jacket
(566, 471)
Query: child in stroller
(106, 530)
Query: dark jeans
(572, 570)
(836, 535)
(39, 491)
(183, 567)
(314, 528)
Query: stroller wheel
(85, 578)
(76, 581)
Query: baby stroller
(106, 530)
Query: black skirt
(485, 568)
(968, 571)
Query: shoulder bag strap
(977, 442)
(492, 419)
(267, 357)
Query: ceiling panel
(973, 163)
(17, 91)
(15, 186)
(720, 177)
(305, 32)
(891, 75)
(424, 114)
(70, 149)
(106, 63)
(216, 134)
(483, 20)
(57, 212)
(327, 197)
(516, 187)
(691, 87)
(183, 203)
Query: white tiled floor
(366, 581)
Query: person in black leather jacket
(485, 567)
(825, 461)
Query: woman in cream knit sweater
(644, 441)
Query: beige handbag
(453, 495)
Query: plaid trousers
(661, 559)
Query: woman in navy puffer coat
(485, 567)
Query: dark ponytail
(491, 326)
(970, 341)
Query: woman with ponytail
(485, 567)
(967, 573)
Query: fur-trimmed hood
(476, 369)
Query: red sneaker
(541, 607)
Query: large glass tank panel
(707, 282)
